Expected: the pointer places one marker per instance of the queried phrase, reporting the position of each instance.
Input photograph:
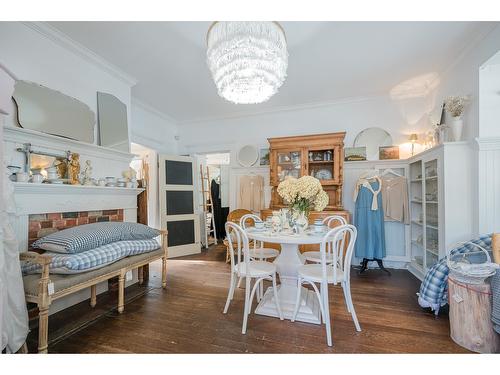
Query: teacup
(110, 180)
(319, 228)
(22, 177)
(101, 182)
(259, 225)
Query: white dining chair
(315, 256)
(258, 251)
(334, 272)
(244, 266)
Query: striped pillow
(89, 236)
(93, 259)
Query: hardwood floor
(187, 318)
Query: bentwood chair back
(242, 266)
(257, 251)
(334, 272)
(332, 221)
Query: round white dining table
(287, 263)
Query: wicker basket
(472, 267)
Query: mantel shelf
(60, 144)
(33, 188)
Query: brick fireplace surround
(43, 224)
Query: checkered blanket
(495, 308)
(93, 259)
(434, 289)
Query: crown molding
(139, 103)
(286, 108)
(73, 46)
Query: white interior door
(177, 204)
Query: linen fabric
(251, 194)
(93, 259)
(395, 199)
(62, 282)
(369, 222)
(90, 236)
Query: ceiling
(328, 61)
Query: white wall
(350, 115)
(489, 98)
(462, 78)
(33, 56)
(469, 76)
(153, 129)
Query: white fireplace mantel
(46, 198)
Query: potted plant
(302, 195)
(455, 106)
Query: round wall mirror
(248, 156)
(372, 139)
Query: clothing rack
(208, 207)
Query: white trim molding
(58, 37)
(37, 139)
(33, 198)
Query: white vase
(457, 125)
(302, 222)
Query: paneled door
(177, 205)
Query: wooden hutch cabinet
(319, 155)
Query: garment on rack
(219, 213)
(395, 199)
(251, 194)
(363, 182)
(369, 219)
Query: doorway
(216, 190)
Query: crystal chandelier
(248, 60)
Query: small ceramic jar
(22, 177)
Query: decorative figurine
(87, 174)
(74, 169)
(62, 168)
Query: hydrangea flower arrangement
(303, 194)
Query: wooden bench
(36, 286)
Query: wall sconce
(413, 138)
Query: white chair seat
(257, 269)
(263, 253)
(313, 272)
(315, 256)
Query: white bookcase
(440, 209)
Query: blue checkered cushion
(90, 236)
(93, 259)
(434, 288)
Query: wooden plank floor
(187, 318)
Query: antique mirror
(248, 156)
(52, 112)
(113, 126)
(372, 139)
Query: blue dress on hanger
(370, 243)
